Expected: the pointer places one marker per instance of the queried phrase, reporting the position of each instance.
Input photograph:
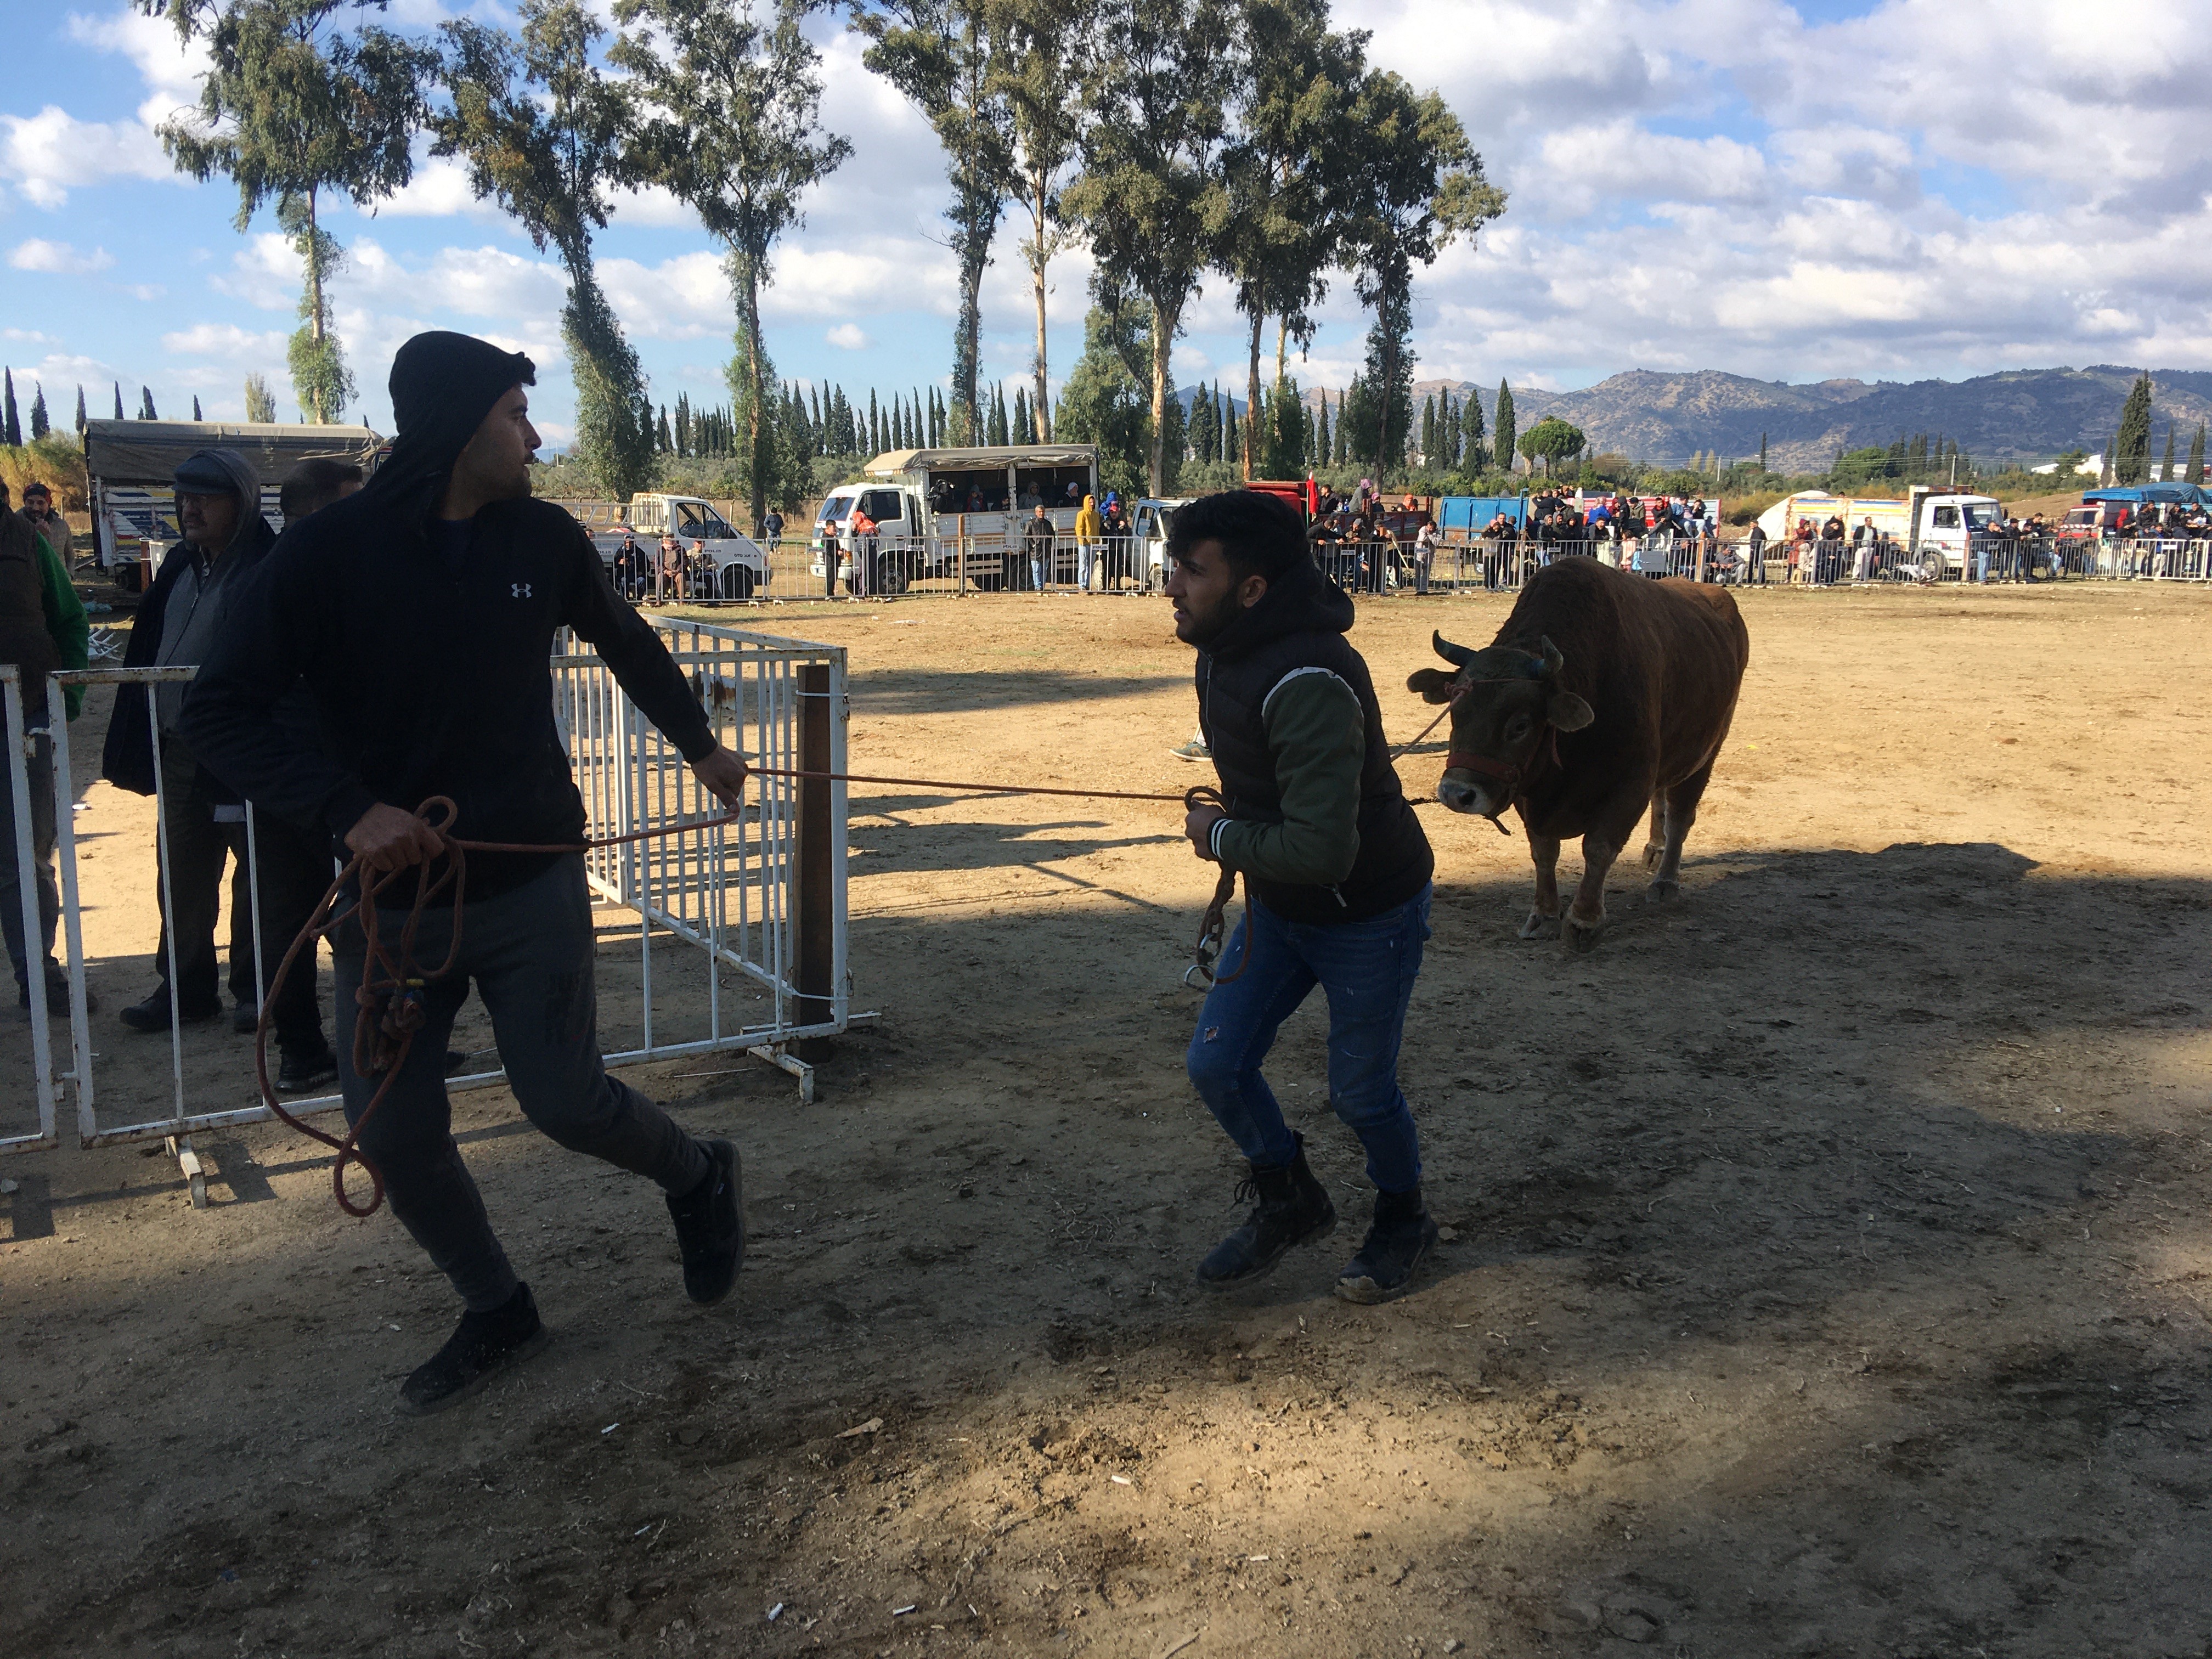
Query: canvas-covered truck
(1936, 528)
(942, 513)
(740, 564)
(130, 465)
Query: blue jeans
(1368, 968)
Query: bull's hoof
(1582, 936)
(1653, 852)
(1540, 926)
(1663, 892)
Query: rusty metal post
(813, 906)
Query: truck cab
(740, 565)
(1150, 525)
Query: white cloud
(59, 257)
(226, 340)
(847, 336)
(46, 155)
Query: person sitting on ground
(43, 628)
(465, 712)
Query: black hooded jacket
(429, 674)
(1297, 627)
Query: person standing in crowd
(863, 530)
(43, 628)
(453, 698)
(1040, 539)
(39, 509)
(771, 531)
(1089, 525)
(1114, 531)
(313, 485)
(1500, 537)
(1424, 555)
(185, 616)
(1337, 873)
(1864, 541)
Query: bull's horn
(1553, 662)
(1457, 655)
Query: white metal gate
(763, 896)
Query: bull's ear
(1568, 712)
(1433, 684)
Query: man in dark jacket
(421, 616)
(1336, 869)
(204, 819)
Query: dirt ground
(1825, 1274)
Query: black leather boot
(1294, 1208)
(1403, 1233)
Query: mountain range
(2025, 415)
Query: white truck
(939, 512)
(739, 564)
(1936, 528)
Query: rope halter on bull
(1543, 670)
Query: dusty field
(1827, 1276)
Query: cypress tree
(1762, 451)
(1506, 429)
(1321, 438)
(2166, 469)
(146, 410)
(40, 424)
(1471, 434)
(2131, 447)
(118, 398)
(79, 406)
(11, 428)
(196, 416)
(2195, 475)
(1429, 434)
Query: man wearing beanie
(218, 497)
(420, 614)
(1336, 870)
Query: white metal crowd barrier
(763, 897)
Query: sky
(1922, 188)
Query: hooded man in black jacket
(218, 497)
(420, 615)
(1336, 870)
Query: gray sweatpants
(528, 952)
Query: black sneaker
(302, 1069)
(1403, 1233)
(1294, 1208)
(153, 1014)
(58, 993)
(710, 1225)
(245, 1020)
(482, 1346)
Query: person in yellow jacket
(1089, 528)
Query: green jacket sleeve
(1317, 738)
(65, 619)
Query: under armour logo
(518, 590)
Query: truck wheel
(1931, 567)
(891, 575)
(737, 581)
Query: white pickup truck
(740, 564)
(930, 505)
(1936, 528)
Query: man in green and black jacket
(1336, 869)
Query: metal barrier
(761, 901)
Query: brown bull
(1602, 693)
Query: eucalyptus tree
(1050, 46)
(1287, 219)
(294, 104)
(735, 89)
(949, 58)
(1152, 196)
(1411, 183)
(542, 132)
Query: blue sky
(1789, 191)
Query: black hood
(1302, 600)
(442, 385)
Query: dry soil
(1826, 1274)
